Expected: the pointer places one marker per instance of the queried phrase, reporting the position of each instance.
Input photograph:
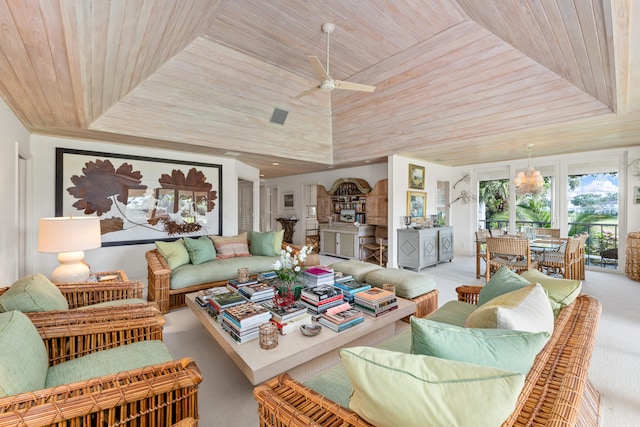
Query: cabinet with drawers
(419, 248)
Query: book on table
(375, 295)
(236, 284)
(257, 292)
(283, 314)
(321, 292)
(247, 315)
(240, 335)
(342, 327)
(221, 301)
(315, 308)
(350, 287)
(377, 312)
(266, 276)
(318, 276)
(292, 325)
(376, 301)
(203, 295)
(341, 317)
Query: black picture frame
(139, 199)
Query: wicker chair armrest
(67, 338)
(81, 294)
(158, 279)
(468, 293)
(164, 390)
(309, 409)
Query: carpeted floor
(226, 395)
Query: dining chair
(512, 252)
(580, 261)
(552, 232)
(481, 249)
(377, 248)
(563, 261)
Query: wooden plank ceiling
(458, 82)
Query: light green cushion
(562, 291)
(23, 356)
(527, 309)
(107, 362)
(200, 250)
(220, 269)
(231, 246)
(502, 281)
(409, 284)
(174, 253)
(262, 243)
(393, 389)
(499, 348)
(357, 269)
(33, 293)
(278, 238)
(452, 312)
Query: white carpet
(225, 396)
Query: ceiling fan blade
(340, 84)
(318, 68)
(307, 92)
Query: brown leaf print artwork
(100, 182)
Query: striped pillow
(231, 246)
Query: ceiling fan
(327, 83)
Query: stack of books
(376, 301)
(217, 303)
(288, 319)
(319, 299)
(314, 276)
(341, 317)
(202, 299)
(350, 287)
(266, 276)
(235, 284)
(257, 292)
(242, 321)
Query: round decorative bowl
(310, 330)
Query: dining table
(540, 245)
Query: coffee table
(299, 355)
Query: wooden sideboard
(343, 239)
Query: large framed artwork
(416, 177)
(139, 199)
(416, 204)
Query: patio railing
(601, 247)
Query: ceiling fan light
(327, 85)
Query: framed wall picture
(416, 177)
(417, 204)
(139, 199)
(288, 201)
(636, 195)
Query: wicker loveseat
(556, 390)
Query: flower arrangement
(288, 269)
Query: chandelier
(529, 181)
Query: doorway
(245, 206)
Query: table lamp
(69, 237)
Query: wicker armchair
(511, 252)
(156, 395)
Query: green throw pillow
(527, 309)
(261, 243)
(393, 389)
(561, 291)
(499, 348)
(23, 354)
(174, 253)
(200, 250)
(278, 238)
(33, 293)
(502, 281)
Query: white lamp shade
(69, 234)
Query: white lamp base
(71, 268)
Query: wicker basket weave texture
(632, 267)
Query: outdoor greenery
(535, 211)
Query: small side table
(287, 225)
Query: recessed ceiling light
(275, 164)
(367, 161)
(232, 153)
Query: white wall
(14, 140)
(129, 258)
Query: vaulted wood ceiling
(458, 81)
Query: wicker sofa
(556, 390)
